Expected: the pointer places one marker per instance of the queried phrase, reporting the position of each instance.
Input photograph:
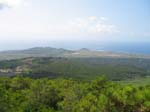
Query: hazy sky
(38, 22)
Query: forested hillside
(59, 84)
(21, 94)
(77, 68)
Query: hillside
(54, 52)
(33, 52)
(78, 68)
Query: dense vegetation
(56, 84)
(79, 68)
(21, 94)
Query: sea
(121, 47)
(133, 48)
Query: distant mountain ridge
(35, 50)
(60, 52)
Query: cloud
(11, 3)
(147, 34)
(81, 26)
(92, 18)
(92, 25)
(1, 6)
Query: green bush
(21, 94)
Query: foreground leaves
(21, 94)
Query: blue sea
(123, 47)
(128, 47)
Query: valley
(82, 64)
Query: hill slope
(78, 68)
(54, 52)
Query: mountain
(34, 52)
(60, 52)
(80, 64)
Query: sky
(29, 23)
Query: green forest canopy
(20, 94)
